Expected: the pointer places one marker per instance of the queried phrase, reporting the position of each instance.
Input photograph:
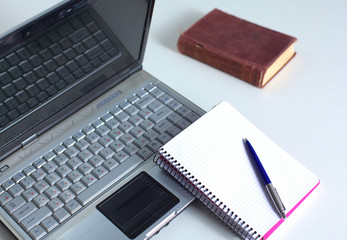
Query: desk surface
(303, 108)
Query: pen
(266, 180)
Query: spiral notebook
(210, 160)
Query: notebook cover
(235, 46)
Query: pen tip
(245, 140)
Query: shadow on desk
(175, 25)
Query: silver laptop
(80, 122)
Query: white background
(303, 108)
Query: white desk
(303, 109)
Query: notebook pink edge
(266, 235)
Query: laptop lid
(125, 21)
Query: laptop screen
(60, 60)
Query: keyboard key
(13, 59)
(37, 232)
(131, 149)
(72, 206)
(154, 106)
(82, 144)
(112, 123)
(63, 184)
(77, 188)
(164, 138)
(80, 34)
(115, 133)
(151, 135)
(121, 156)
(85, 168)
(144, 101)
(61, 215)
(61, 159)
(38, 174)
(41, 186)
(110, 164)
(41, 200)
(3, 65)
(35, 218)
(146, 124)
(6, 185)
(137, 132)
(49, 156)
(144, 153)
(135, 120)
(173, 130)
(92, 137)
(95, 148)
(183, 111)
(23, 53)
(122, 116)
(154, 145)
(39, 163)
(50, 166)
(165, 98)
(89, 180)
(15, 190)
(141, 142)
(99, 172)
(18, 177)
(29, 194)
(52, 192)
(14, 204)
(49, 224)
(94, 52)
(105, 141)
(73, 163)
(160, 114)
(55, 204)
(71, 152)
(63, 170)
(113, 176)
(24, 211)
(52, 178)
(84, 155)
(127, 138)
(162, 126)
(106, 153)
(66, 196)
(27, 182)
(192, 117)
(182, 124)
(74, 176)
(96, 160)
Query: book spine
(226, 63)
(224, 214)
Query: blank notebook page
(212, 150)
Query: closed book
(210, 159)
(243, 49)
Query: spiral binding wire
(165, 161)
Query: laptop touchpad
(137, 205)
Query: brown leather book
(241, 48)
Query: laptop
(80, 122)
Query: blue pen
(266, 180)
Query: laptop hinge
(29, 140)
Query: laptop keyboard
(50, 63)
(55, 187)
